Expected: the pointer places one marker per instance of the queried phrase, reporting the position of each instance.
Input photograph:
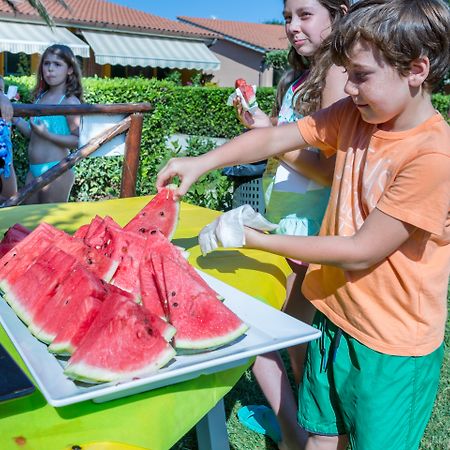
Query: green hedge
(197, 111)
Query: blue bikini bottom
(38, 169)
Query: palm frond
(39, 7)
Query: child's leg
(271, 375)
(381, 401)
(58, 190)
(296, 305)
(9, 185)
(270, 372)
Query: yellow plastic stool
(104, 446)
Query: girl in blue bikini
(51, 137)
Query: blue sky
(245, 11)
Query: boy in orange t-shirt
(380, 266)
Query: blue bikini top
(54, 124)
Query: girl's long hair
(73, 82)
(308, 97)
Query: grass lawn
(247, 392)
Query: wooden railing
(132, 124)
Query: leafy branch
(39, 7)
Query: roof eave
(224, 36)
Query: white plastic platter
(269, 329)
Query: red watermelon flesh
(17, 261)
(249, 94)
(202, 321)
(15, 234)
(96, 233)
(161, 213)
(38, 283)
(155, 262)
(28, 248)
(120, 344)
(81, 232)
(150, 295)
(239, 82)
(157, 242)
(127, 248)
(5, 247)
(91, 258)
(69, 337)
(66, 303)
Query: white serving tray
(269, 329)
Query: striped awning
(148, 51)
(16, 37)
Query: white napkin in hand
(228, 229)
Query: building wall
(237, 61)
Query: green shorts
(380, 401)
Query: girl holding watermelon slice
(296, 190)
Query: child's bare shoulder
(72, 100)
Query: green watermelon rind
(61, 349)
(187, 346)
(41, 334)
(90, 374)
(15, 304)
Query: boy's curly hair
(403, 30)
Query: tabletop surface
(156, 419)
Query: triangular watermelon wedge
(150, 295)
(202, 321)
(38, 283)
(158, 243)
(68, 338)
(161, 213)
(65, 305)
(121, 344)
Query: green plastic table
(155, 419)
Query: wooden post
(131, 157)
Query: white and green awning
(16, 37)
(148, 51)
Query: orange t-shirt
(398, 306)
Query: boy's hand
(188, 170)
(258, 119)
(6, 108)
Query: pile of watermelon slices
(120, 303)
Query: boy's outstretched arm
(252, 146)
(379, 236)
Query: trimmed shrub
(197, 111)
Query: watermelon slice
(161, 213)
(95, 232)
(247, 91)
(93, 259)
(67, 302)
(202, 321)
(68, 338)
(128, 249)
(25, 251)
(150, 295)
(38, 283)
(158, 243)
(121, 344)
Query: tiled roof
(268, 37)
(103, 14)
